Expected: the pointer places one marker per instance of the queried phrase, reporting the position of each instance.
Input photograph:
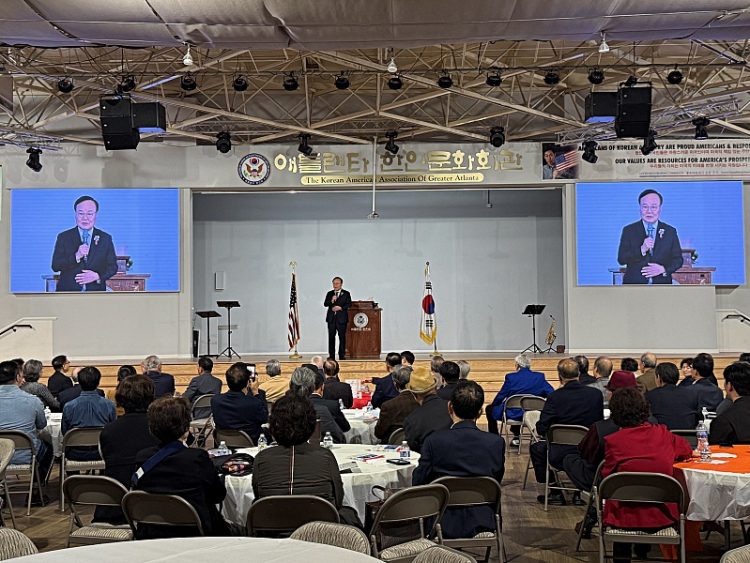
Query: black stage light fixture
(240, 83)
(700, 124)
(631, 81)
(596, 76)
(290, 83)
(33, 160)
(649, 143)
(127, 83)
(494, 79)
(188, 83)
(445, 81)
(551, 78)
(391, 145)
(304, 145)
(341, 82)
(223, 142)
(675, 77)
(395, 82)
(589, 151)
(65, 85)
(497, 136)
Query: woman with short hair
(32, 371)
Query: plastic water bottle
(704, 413)
(328, 441)
(404, 452)
(368, 408)
(701, 433)
(341, 404)
(47, 412)
(262, 442)
(223, 449)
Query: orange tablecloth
(739, 464)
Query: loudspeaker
(118, 132)
(633, 111)
(601, 107)
(149, 117)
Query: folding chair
(94, 490)
(531, 403)
(22, 441)
(512, 402)
(141, 507)
(7, 449)
(396, 437)
(15, 544)
(233, 438)
(560, 435)
(338, 535)
(738, 555)
(530, 418)
(643, 488)
(280, 515)
(201, 427)
(591, 501)
(474, 492)
(78, 437)
(441, 554)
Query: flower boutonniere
(661, 233)
(96, 238)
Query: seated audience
(276, 385)
(174, 469)
(571, 403)
(336, 390)
(465, 368)
(602, 371)
(122, 372)
(332, 406)
(243, 406)
(450, 374)
(638, 446)
(431, 414)
(629, 364)
(521, 382)
(302, 385)
(122, 439)
(673, 406)
(73, 392)
(394, 411)
(317, 361)
(686, 369)
(407, 358)
(584, 377)
(744, 357)
(463, 450)
(296, 466)
(435, 363)
(647, 379)
(704, 383)
(89, 410)
(32, 371)
(203, 384)
(733, 425)
(384, 387)
(163, 382)
(59, 380)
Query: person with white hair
(163, 382)
(465, 369)
(523, 381)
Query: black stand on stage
(532, 311)
(208, 315)
(228, 351)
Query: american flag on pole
(566, 160)
(428, 328)
(293, 325)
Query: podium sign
(363, 331)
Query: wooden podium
(363, 331)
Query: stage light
(603, 47)
(65, 85)
(675, 77)
(341, 82)
(445, 81)
(127, 83)
(649, 143)
(33, 160)
(392, 67)
(240, 83)
(304, 146)
(494, 79)
(187, 60)
(551, 78)
(223, 142)
(631, 81)
(497, 136)
(589, 151)
(700, 124)
(596, 76)
(290, 83)
(188, 83)
(391, 145)
(395, 82)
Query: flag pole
(434, 341)
(295, 355)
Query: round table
(362, 426)
(201, 550)
(357, 486)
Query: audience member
(673, 406)
(59, 380)
(450, 373)
(463, 450)
(205, 383)
(173, 468)
(243, 406)
(122, 372)
(465, 368)
(317, 361)
(384, 387)
(686, 369)
(296, 466)
(584, 377)
(629, 364)
(521, 382)
(276, 385)
(74, 392)
(647, 366)
(335, 389)
(431, 414)
(32, 371)
(302, 385)
(731, 427)
(435, 364)
(407, 358)
(89, 410)
(571, 403)
(394, 411)
(744, 357)
(163, 382)
(333, 406)
(704, 383)
(602, 372)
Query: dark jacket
(101, 259)
(572, 403)
(430, 416)
(393, 413)
(234, 410)
(203, 384)
(586, 379)
(71, 393)
(58, 382)
(667, 252)
(333, 407)
(384, 389)
(163, 383)
(462, 451)
(344, 301)
(335, 390)
(675, 407)
(709, 395)
(732, 426)
(446, 391)
(521, 382)
(328, 423)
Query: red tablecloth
(362, 403)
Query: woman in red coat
(639, 446)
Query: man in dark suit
(649, 249)
(84, 255)
(203, 384)
(332, 406)
(704, 383)
(384, 387)
(450, 372)
(432, 413)
(571, 403)
(463, 450)
(59, 381)
(334, 389)
(67, 395)
(163, 382)
(675, 407)
(394, 411)
(337, 302)
(243, 407)
(731, 427)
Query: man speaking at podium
(337, 301)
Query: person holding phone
(244, 406)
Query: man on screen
(649, 249)
(337, 301)
(84, 255)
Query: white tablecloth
(52, 432)
(201, 550)
(357, 486)
(362, 426)
(717, 495)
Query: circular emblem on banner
(361, 320)
(254, 169)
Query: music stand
(532, 311)
(228, 351)
(208, 315)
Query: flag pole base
(295, 356)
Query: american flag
(566, 160)
(428, 327)
(293, 325)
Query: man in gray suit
(203, 384)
